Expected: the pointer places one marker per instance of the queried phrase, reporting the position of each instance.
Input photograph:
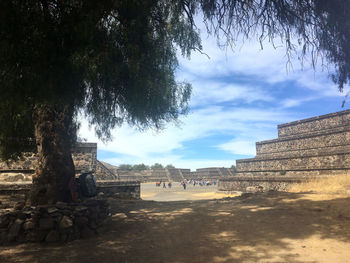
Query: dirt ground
(264, 227)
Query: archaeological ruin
(306, 148)
(85, 159)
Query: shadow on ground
(271, 227)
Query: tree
(140, 167)
(125, 167)
(233, 168)
(157, 166)
(170, 166)
(114, 61)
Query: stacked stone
(314, 146)
(177, 175)
(84, 157)
(212, 173)
(104, 173)
(61, 222)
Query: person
(184, 185)
(164, 185)
(169, 184)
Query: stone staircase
(309, 147)
(176, 175)
(103, 173)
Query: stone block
(65, 222)
(46, 223)
(52, 236)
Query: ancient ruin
(306, 148)
(85, 160)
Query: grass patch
(335, 184)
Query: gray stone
(65, 222)
(87, 232)
(81, 221)
(3, 236)
(4, 221)
(61, 204)
(120, 215)
(14, 230)
(52, 236)
(36, 235)
(22, 215)
(64, 237)
(19, 206)
(28, 225)
(92, 224)
(46, 223)
(81, 208)
(51, 210)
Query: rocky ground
(266, 227)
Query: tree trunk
(55, 168)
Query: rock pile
(61, 222)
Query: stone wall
(314, 146)
(258, 183)
(84, 156)
(319, 123)
(174, 175)
(61, 222)
(117, 189)
(85, 159)
(104, 173)
(127, 190)
(334, 139)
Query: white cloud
(207, 91)
(239, 147)
(268, 64)
(213, 85)
(138, 147)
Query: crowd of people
(185, 182)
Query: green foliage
(233, 167)
(125, 167)
(157, 166)
(140, 167)
(283, 172)
(114, 60)
(170, 166)
(136, 167)
(316, 27)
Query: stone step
(305, 152)
(329, 137)
(324, 161)
(318, 123)
(302, 173)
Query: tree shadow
(260, 227)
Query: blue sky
(239, 97)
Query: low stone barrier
(61, 222)
(119, 189)
(115, 188)
(258, 183)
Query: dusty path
(270, 227)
